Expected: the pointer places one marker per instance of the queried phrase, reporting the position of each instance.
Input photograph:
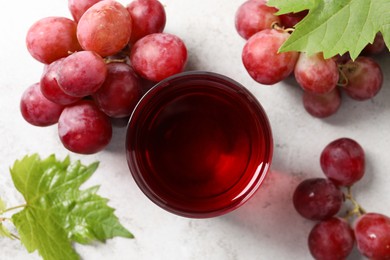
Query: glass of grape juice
(199, 144)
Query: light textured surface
(267, 227)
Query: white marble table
(267, 227)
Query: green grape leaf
(57, 212)
(336, 26)
(291, 6)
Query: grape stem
(277, 26)
(343, 81)
(357, 208)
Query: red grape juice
(199, 144)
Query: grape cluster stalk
(320, 199)
(322, 80)
(97, 66)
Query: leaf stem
(16, 207)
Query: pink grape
(261, 58)
(331, 239)
(316, 74)
(52, 38)
(83, 128)
(254, 16)
(78, 7)
(148, 17)
(158, 56)
(317, 199)
(105, 28)
(364, 78)
(50, 88)
(372, 232)
(322, 105)
(343, 161)
(122, 79)
(37, 109)
(82, 73)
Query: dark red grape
(364, 78)
(317, 199)
(322, 105)
(120, 92)
(37, 109)
(158, 56)
(372, 232)
(343, 161)
(331, 239)
(254, 16)
(83, 128)
(261, 58)
(316, 74)
(148, 17)
(50, 88)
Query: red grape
(158, 56)
(316, 74)
(52, 38)
(376, 47)
(289, 20)
(78, 7)
(254, 16)
(331, 239)
(50, 88)
(372, 232)
(343, 161)
(120, 92)
(83, 128)
(148, 17)
(322, 105)
(37, 109)
(364, 78)
(82, 73)
(105, 28)
(317, 199)
(261, 58)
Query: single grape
(376, 47)
(158, 56)
(289, 20)
(105, 28)
(120, 92)
(316, 74)
(331, 239)
(37, 109)
(322, 105)
(372, 232)
(317, 199)
(364, 78)
(52, 38)
(82, 73)
(343, 161)
(83, 128)
(254, 16)
(50, 88)
(148, 17)
(78, 7)
(261, 58)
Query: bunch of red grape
(321, 79)
(320, 199)
(97, 67)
